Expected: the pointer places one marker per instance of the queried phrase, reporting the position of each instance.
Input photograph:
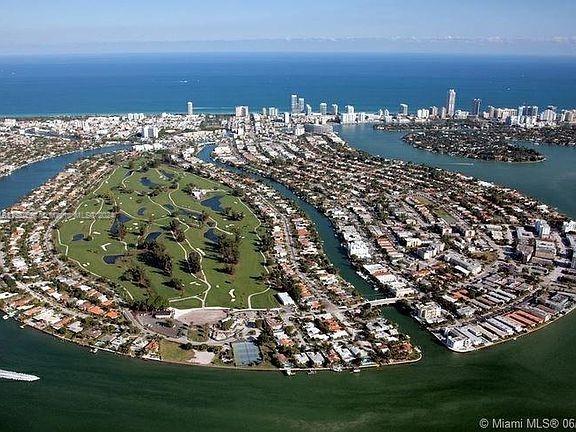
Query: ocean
(155, 83)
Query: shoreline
(208, 366)
(455, 155)
(45, 158)
(508, 339)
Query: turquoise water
(218, 82)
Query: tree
(157, 256)
(266, 242)
(121, 231)
(204, 216)
(194, 263)
(176, 229)
(177, 284)
(149, 303)
(136, 274)
(229, 248)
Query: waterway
(552, 181)
(531, 377)
(22, 181)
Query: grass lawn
(148, 199)
(171, 351)
(441, 213)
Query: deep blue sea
(156, 83)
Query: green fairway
(141, 203)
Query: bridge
(379, 302)
(383, 301)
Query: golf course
(156, 231)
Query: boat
(311, 372)
(337, 368)
(289, 372)
(355, 370)
(22, 326)
(16, 376)
(5, 317)
(94, 350)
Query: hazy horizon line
(546, 47)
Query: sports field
(142, 204)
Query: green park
(163, 236)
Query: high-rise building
(294, 104)
(301, 104)
(150, 132)
(348, 117)
(542, 228)
(423, 113)
(451, 103)
(491, 111)
(403, 109)
(548, 115)
(323, 108)
(349, 109)
(528, 111)
(190, 108)
(433, 111)
(476, 104)
(335, 109)
(308, 109)
(273, 112)
(242, 112)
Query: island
(169, 258)
(473, 144)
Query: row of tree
(232, 214)
(155, 254)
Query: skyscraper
(242, 112)
(476, 104)
(190, 108)
(403, 109)
(451, 103)
(323, 108)
(335, 109)
(294, 103)
(301, 104)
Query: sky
(61, 26)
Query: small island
(472, 143)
